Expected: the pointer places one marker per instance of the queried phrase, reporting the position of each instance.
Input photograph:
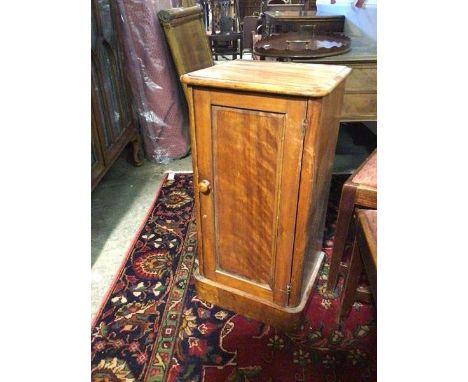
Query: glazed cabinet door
(97, 159)
(108, 81)
(248, 155)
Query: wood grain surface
(317, 165)
(287, 78)
(257, 151)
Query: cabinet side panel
(317, 165)
(247, 154)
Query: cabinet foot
(137, 154)
(280, 317)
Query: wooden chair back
(225, 16)
(187, 39)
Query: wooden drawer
(363, 78)
(359, 107)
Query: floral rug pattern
(152, 327)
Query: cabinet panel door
(249, 149)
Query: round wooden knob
(204, 187)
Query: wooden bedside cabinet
(263, 140)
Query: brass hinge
(305, 123)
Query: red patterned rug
(152, 327)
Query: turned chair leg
(137, 155)
(345, 214)
(348, 294)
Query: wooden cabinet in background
(249, 7)
(360, 98)
(112, 119)
(263, 141)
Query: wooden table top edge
(363, 164)
(192, 79)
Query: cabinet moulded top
(288, 78)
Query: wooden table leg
(370, 267)
(345, 214)
(348, 293)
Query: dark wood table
(293, 21)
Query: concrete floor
(118, 206)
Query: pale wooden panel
(287, 78)
(360, 100)
(246, 156)
(359, 107)
(317, 164)
(362, 78)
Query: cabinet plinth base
(283, 318)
